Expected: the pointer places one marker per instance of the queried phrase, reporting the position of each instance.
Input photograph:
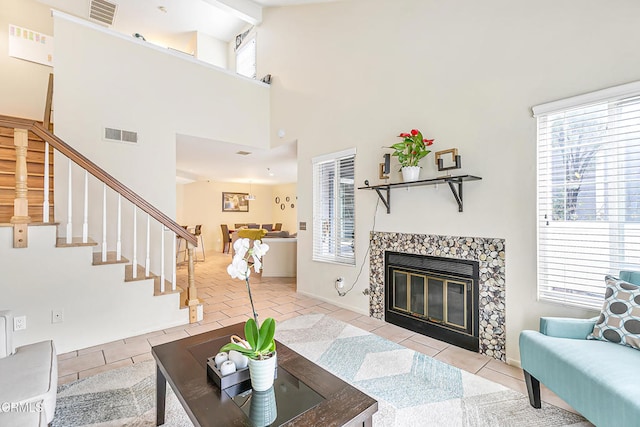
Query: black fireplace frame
(447, 268)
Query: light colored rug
(412, 389)
(121, 397)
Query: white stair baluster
(45, 203)
(162, 258)
(85, 221)
(69, 206)
(104, 222)
(119, 230)
(135, 244)
(173, 269)
(147, 260)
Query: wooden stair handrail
(99, 173)
(47, 105)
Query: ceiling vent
(102, 11)
(111, 134)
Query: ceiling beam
(244, 9)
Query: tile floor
(226, 302)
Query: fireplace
(433, 296)
(488, 253)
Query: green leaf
(251, 333)
(238, 348)
(267, 332)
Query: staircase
(138, 242)
(35, 176)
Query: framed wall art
(235, 202)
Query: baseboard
(332, 301)
(514, 362)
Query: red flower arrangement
(412, 148)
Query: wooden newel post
(196, 313)
(21, 217)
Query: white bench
(28, 379)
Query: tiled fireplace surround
(488, 252)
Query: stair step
(61, 242)
(8, 196)
(35, 157)
(9, 132)
(111, 259)
(32, 168)
(167, 288)
(35, 212)
(29, 188)
(12, 173)
(128, 274)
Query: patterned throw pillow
(619, 320)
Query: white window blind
(588, 195)
(246, 59)
(334, 208)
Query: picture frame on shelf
(235, 202)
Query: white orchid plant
(259, 339)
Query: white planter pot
(411, 173)
(262, 373)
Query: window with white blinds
(334, 208)
(588, 193)
(246, 59)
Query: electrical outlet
(340, 282)
(57, 316)
(19, 323)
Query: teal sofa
(599, 379)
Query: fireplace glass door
(436, 299)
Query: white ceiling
(204, 159)
(172, 23)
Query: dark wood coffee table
(183, 364)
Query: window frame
(251, 39)
(584, 288)
(331, 229)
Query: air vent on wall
(111, 134)
(102, 11)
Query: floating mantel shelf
(453, 181)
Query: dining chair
(236, 226)
(278, 226)
(179, 249)
(253, 225)
(267, 227)
(198, 233)
(226, 238)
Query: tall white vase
(262, 373)
(411, 173)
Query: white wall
(202, 204)
(289, 215)
(98, 305)
(23, 84)
(108, 79)
(356, 73)
(211, 50)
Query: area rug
(117, 398)
(411, 389)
